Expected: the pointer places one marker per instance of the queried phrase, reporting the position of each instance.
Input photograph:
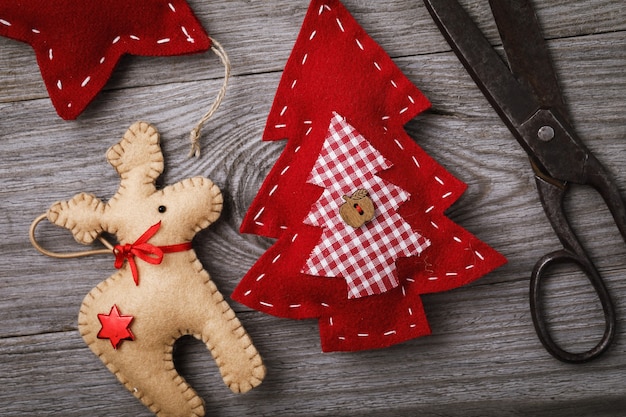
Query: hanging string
(195, 132)
(66, 255)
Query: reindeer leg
(155, 382)
(239, 362)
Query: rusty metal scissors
(526, 96)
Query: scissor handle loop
(543, 333)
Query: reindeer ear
(82, 215)
(138, 152)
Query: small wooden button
(358, 209)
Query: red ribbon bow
(145, 251)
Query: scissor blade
(513, 101)
(527, 52)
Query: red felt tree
(342, 104)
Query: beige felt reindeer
(161, 291)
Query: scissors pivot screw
(545, 133)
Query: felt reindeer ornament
(161, 292)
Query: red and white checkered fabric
(365, 256)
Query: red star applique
(78, 43)
(115, 327)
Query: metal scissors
(526, 96)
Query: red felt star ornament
(115, 327)
(78, 43)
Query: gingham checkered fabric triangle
(364, 256)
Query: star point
(78, 44)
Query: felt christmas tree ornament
(356, 206)
(161, 292)
(78, 43)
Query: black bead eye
(162, 209)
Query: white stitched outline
(293, 239)
(429, 209)
(59, 85)
(135, 38)
(282, 112)
(360, 45)
(35, 30)
(340, 25)
(247, 293)
(260, 277)
(457, 239)
(5, 23)
(189, 38)
(259, 213)
(85, 81)
(116, 40)
(312, 35)
(273, 190)
(479, 255)
(439, 180)
(417, 164)
(164, 40)
(389, 333)
(266, 304)
(284, 170)
(50, 56)
(295, 305)
(171, 7)
(276, 258)
(399, 144)
(446, 195)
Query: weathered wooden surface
(483, 357)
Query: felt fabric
(338, 78)
(78, 43)
(161, 291)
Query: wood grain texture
(483, 358)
